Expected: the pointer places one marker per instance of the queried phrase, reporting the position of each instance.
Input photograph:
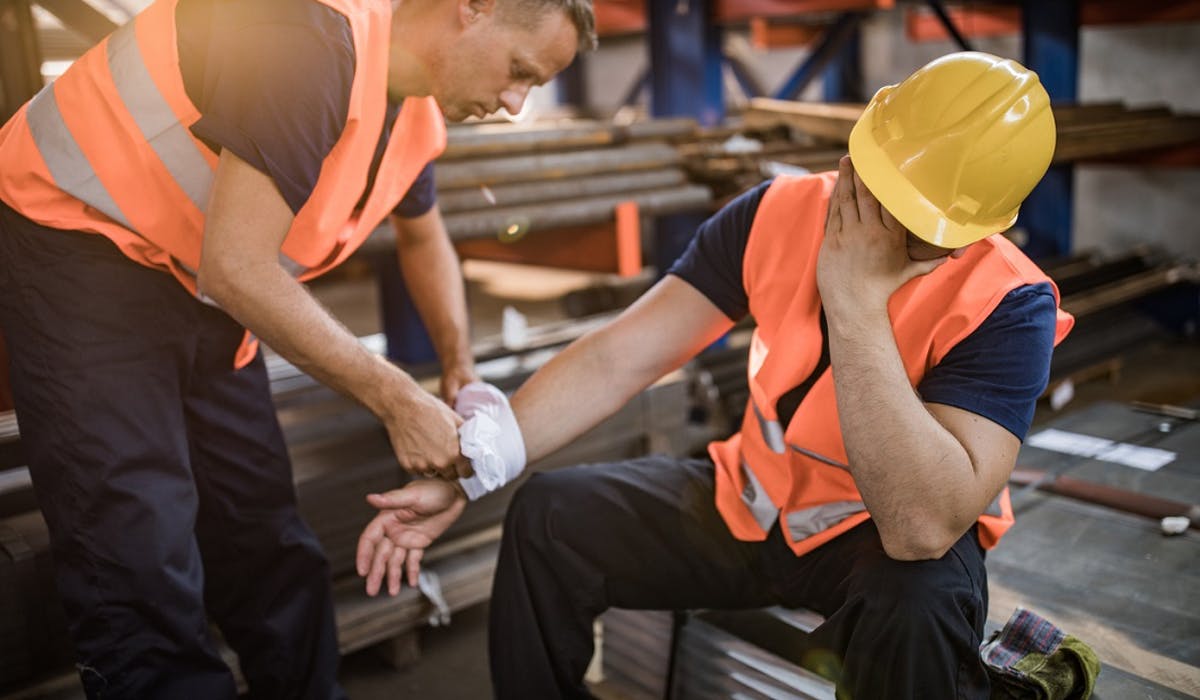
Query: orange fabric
(930, 315)
(166, 227)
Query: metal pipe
(512, 222)
(539, 217)
(493, 171)
(497, 139)
(454, 201)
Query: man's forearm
(434, 278)
(577, 389)
(282, 313)
(910, 470)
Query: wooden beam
(830, 121)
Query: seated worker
(899, 351)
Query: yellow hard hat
(953, 150)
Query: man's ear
(470, 11)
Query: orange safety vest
(106, 148)
(798, 476)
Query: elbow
(915, 542)
(214, 280)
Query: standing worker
(162, 202)
(899, 349)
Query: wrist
(858, 321)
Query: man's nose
(513, 99)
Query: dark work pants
(163, 476)
(646, 535)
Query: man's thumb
(399, 498)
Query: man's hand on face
(410, 519)
(864, 257)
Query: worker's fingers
(463, 468)
(868, 206)
(414, 566)
(395, 570)
(392, 500)
(370, 537)
(844, 193)
(379, 561)
(890, 222)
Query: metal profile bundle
(1084, 131)
(503, 181)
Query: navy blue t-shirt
(272, 80)
(997, 372)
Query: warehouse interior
(565, 214)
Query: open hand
(410, 519)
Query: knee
(918, 594)
(533, 505)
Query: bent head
(493, 52)
(954, 149)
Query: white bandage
(490, 438)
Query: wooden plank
(830, 121)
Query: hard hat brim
(905, 202)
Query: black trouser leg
(97, 372)
(268, 582)
(896, 629)
(640, 534)
(163, 477)
(646, 534)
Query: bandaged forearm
(489, 437)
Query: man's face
(496, 59)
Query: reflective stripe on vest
(772, 431)
(756, 499)
(66, 162)
(801, 521)
(807, 522)
(168, 138)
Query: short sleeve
(421, 195)
(1001, 369)
(275, 87)
(712, 262)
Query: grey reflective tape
(756, 499)
(803, 524)
(292, 267)
(994, 507)
(820, 457)
(196, 278)
(772, 431)
(156, 120)
(67, 164)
